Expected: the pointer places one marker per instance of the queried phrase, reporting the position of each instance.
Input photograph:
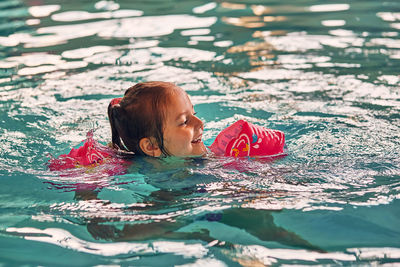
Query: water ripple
(325, 74)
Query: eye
(184, 122)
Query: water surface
(327, 74)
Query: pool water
(325, 73)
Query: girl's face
(182, 129)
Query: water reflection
(83, 15)
(329, 7)
(164, 213)
(324, 74)
(43, 10)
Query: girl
(156, 119)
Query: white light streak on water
(389, 16)
(376, 253)
(329, 83)
(196, 32)
(204, 8)
(106, 5)
(65, 239)
(85, 52)
(119, 28)
(333, 23)
(70, 16)
(36, 70)
(226, 43)
(270, 256)
(329, 7)
(204, 262)
(43, 11)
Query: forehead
(177, 96)
(178, 104)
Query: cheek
(177, 138)
(183, 140)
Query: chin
(197, 150)
(201, 151)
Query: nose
(198, 123)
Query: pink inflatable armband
(244, 139)
(90, 154)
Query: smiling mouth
(197, 140)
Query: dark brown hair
(140, 114)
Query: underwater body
(325, 74)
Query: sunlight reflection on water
(326, 75)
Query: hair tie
(115, 101)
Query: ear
(149, 147)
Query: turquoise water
(325, 73)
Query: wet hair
(140, 114)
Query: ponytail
(113, 116)
(121, 131)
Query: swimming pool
(325, 74)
